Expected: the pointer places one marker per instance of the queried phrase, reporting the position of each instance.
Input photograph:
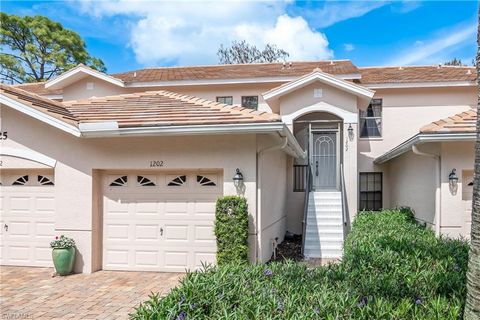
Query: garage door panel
(20, 204)
(147, 232)
(19, 253)
(45, 204)
(43, 254)
(147, 258)
(176, 233)
(162, 227)
(204, 234)
(44, 230)
(204, 257)
(19, 229)
(176, 207)
(117, 257)
(117, 232)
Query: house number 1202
(156, 163)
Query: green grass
(392, 269)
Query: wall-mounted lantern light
(238, 178)
(453, 178)
(351, 134)
(453, 181)
(238, 182)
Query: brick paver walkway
(32, 293)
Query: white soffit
(78, 73)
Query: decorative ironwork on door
(324, 160)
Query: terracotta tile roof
(48, 106)
(153, 108)
(38, 88)
(162, 108)
(464, 122)
(237, 71)
(411, 74)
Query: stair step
(323, 223)
(329, 246)
(321, 220)
(325, 207)
(323, 254)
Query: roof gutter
(423, 138)
(110, 129)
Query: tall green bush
(231, 230)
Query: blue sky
(129, 35)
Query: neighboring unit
(130, 165)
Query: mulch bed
(290, 249)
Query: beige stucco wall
(456, 218)
(304, 97)
(78, 159)
(412, 183)
(78, 90)
(272, 188)
(405, 111)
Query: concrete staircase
(324, 229)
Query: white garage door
(27, 216)
(159, 221)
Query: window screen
(371, 120)
(370, 191)
(226, 100)
(250, 102)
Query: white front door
(159, 221)
(27, 217)
(324, 160)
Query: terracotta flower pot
(63, 260)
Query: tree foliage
(454, 62)
(472, 304)
(35, 48)
(242, 52)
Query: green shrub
(231, 230)
(392, 269)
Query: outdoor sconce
(238, 182)
(351, 135)
(453, 181)
(238, 178)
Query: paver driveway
(32, 293)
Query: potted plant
(63, 254)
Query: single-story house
(130, 165)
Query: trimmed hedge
(392, 269)
(231, 230)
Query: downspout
(260, 153)
(438, 202)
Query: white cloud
(187, 33)
(291, 34)
(348, 47)
(437, 50)
(333, 12)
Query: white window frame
(241, 102)
(380, 128)
(224, 97)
